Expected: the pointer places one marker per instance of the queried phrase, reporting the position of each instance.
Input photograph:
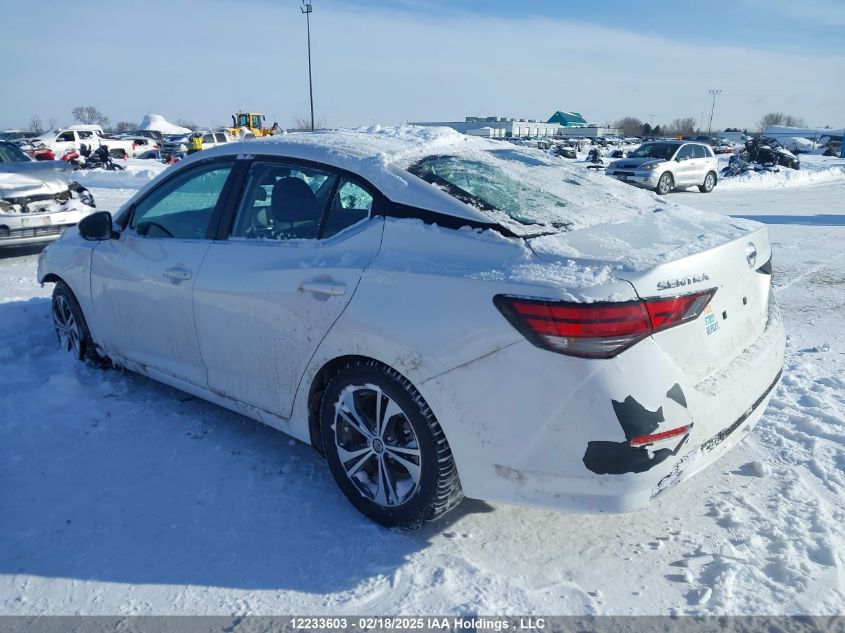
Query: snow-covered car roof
(576, 197)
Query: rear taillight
(598, 330)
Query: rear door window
(283, 202)
(350, 205)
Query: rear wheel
(665, 184)
(385, 449)
(709, 183)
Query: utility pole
(306, 9)
(712, 108)
(651, 120)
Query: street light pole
(306, 9)
(713, 107)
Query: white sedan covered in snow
(438, 315)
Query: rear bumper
(523, 422)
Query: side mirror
(97, 227)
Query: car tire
(398, 471)
(70, 326)
(709, 183)
(665, 184)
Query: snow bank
(158, 123)
(814, 170)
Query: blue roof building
(568, 119)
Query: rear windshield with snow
(489, 186)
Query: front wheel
(69, 323)
(384, 447)
(709, 183)
(665, 184)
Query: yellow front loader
(254, 121)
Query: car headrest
(293, 201)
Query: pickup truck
(62, 141)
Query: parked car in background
(38, 200)
(712, 141)
(182, 144)
(407, 302)
(736, 137)
(17, 135)
(152, 134)
(141, 144)
(832, 145)
(667, 165)
(62, 141)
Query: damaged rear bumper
(547, 431)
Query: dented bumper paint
(573, 452)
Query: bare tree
(629, 125)
(35, 124)
(303, 123)
(779, 118)
(684, 125)
(188, 124)
(89, 115)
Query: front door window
(183, 207)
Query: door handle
(324, 287)
(178, 273)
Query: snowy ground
(121, 496)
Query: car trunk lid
(681, 252)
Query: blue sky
(380, 62)
(795, 24)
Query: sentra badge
(682, 281)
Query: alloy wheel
(67, 328)
(376, 445)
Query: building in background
(568, 119)
(560, 124)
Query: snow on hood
(33, 178)
(158, 123)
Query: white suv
(667, 165)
